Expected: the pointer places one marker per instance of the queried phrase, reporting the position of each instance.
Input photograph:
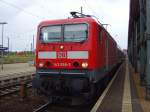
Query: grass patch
(17, 59)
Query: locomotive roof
(74, 20)
(68, 20)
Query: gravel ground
(14, 103)
(16, 68)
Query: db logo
(61, 55)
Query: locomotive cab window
(51, 34)
(75, 32)
(66, 33)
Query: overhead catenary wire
(21, 9)
(49, 12)
(42, 7)
(94, 13)
(27, 12)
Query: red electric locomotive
(73, 55)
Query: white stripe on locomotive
(70, 55)
(47, 55)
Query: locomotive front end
(63, 54)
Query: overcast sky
(23, 16)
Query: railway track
(12, 89)
(10, 84)
(54, 107)
(43, 108)
(50, 107)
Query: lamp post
(2, 23)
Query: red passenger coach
(73, 55)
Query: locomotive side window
(75, 32)
(51, 34)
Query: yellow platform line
(126, 102)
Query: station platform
(123, 93)
(10, 69)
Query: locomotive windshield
(51, 34)
(75, 32)
(65, 33)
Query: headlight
(41, 64)
(84, 65)
(76, 64)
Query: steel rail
(12, 85)
(43, 107)
(13, 89)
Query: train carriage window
(75, 32)
(51, 34)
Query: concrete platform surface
(9, 69)
(122, 95)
